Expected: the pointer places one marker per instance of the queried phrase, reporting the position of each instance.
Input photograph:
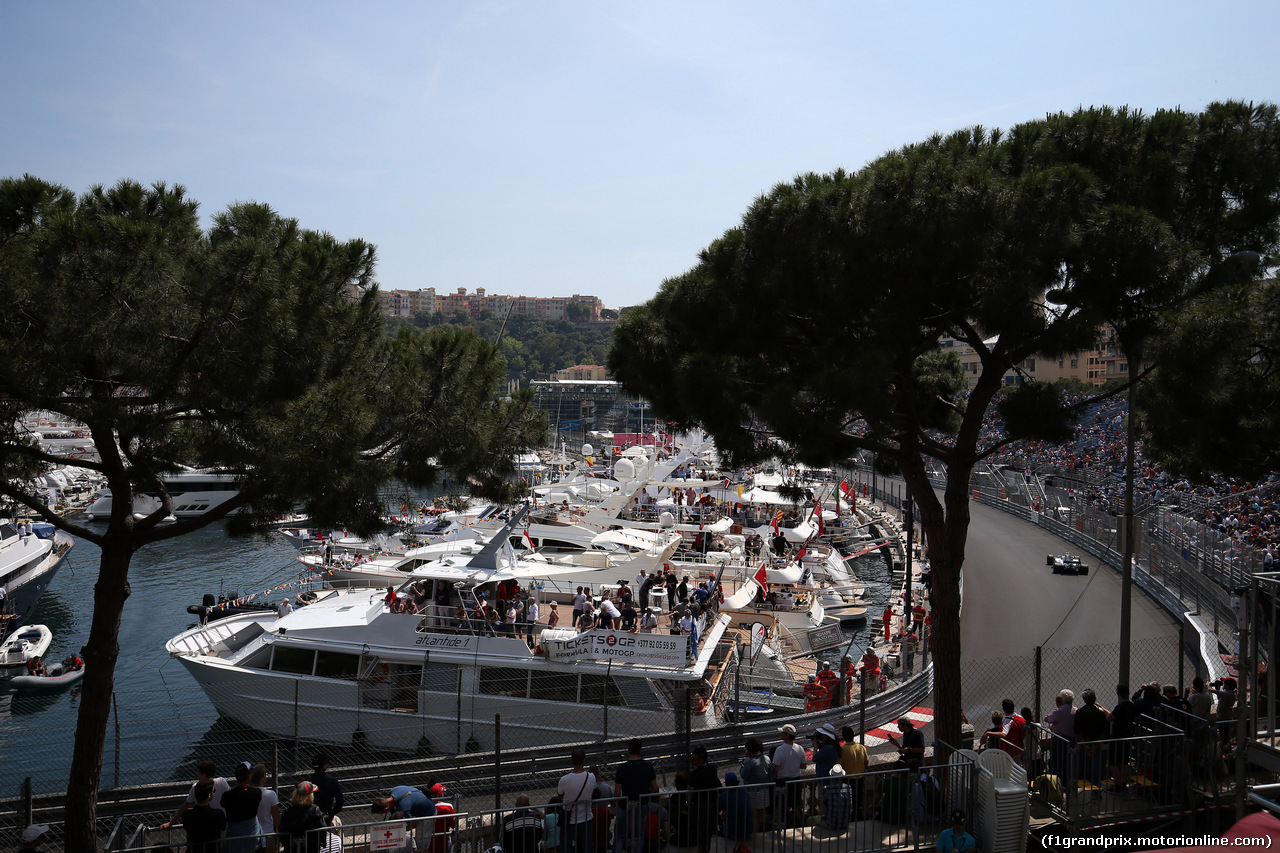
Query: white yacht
(352, 668)
(27, 566)
(194, 493)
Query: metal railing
(886, 809)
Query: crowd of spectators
(1092, 466)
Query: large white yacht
(194, 493)
(349, 668)
(27, 566)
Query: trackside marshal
(656, 649)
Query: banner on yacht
(658, 649)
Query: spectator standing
(789, 761)
(241, 805)
(203, 823)
(328, 795)
(522, 829)
(268, 808)
(704, 781)
(1062, 722)
(1091, 726)
(575, 788)
(826, 753)
(204, 770)
(442, 832)
(634, 779)
(756, 775)
(302, 820)
(854, 760)
(737, 820)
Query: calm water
(161, 713)
(163, 723)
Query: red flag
(774, 523)
(803, 549)
(844, 487)
(760, 577)
(528, 540)
(817, 510)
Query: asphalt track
(1013, 603)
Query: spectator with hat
(826, 752)
(836, 802)
(956, 838)
(241, 805)
(442, 837)
(328, 789)
(737, 821)
(789, 761)
(33, 836)
(302, 821)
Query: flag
(760, 577)
(817, 510)
(844, 487)
(528, 540)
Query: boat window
(597, 688)
(289, 659)
(337, 665)
(441, 677)
(504, 681)
(393, 686)
(260, 659)
(554, 686)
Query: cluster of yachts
(391, 648)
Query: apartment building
(407, 303)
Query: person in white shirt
(789, 762)
(531, 616)
(285, 607)
(268, 809)
(611, 614)
(576, 787)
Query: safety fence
(884, 809)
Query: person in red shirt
(1015, 730)
(442, 834)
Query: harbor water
(162, 722)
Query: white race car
(1066, 564)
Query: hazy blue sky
(552, 148)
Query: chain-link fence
(1033, 680)
(887, 809)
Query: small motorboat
(24, 644)
(55, 677)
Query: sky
(560, 148)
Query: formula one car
(1065, 564)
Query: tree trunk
(944, 526)
(100, 654)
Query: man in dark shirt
(1123, 719)
(1091, 725)
(522, 830)
(329, 790)
(204, 824)
(911, 748)
(241, 805)
(703, 805)
(633, 779)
